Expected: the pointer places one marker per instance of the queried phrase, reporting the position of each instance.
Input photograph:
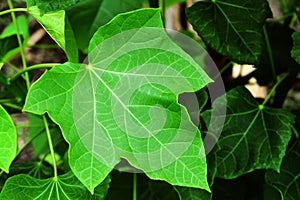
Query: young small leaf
(8, 140)
(58, 27)
(253, 137)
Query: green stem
(13, 10)
(268, 97)
(162, 5)
(293, 21)
(12, 106)
(50, 146)
(9, 100)
(284, 7)
(43, 46)
(27, 143)
(33, 67)
(13, 16)
(270, 52)
(134, 187)
(295, 132)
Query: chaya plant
(109, 123)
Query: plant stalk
(13, 16)
(13, 10)
(50, 146)
(268, 97)
(270, 52)
(134, 192)
(33, 67)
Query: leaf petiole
(268, 97)
(33, 67)
(13, 10)
(134, 187)
(50, 146)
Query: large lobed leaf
(65, 187)
(287, 182)
(124, 104)
(8, 140)
(253, 136)
(231, 27)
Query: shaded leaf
(7, 44)
(253, 136)
(287, 182)
(8, 140)
(99, 13)
(135, 78)
(232, 28)
(185, 193)
(63, 187)
(48, 6)
(281, 43)
(296, 48)
(145, 187)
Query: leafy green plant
(109, 123)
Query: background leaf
(65, 187)
(58, 27)
(99, 13)
(48, 6)
(232, 28)
(87, 121)
(287, 181)
(296, 47)
(253, 136)
(185, 193)
(8, 140)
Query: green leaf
(186, 193)
(281, 44)
(48, 6)
(253, 136)
(232, 28)
(8, 140)
(99, 13)
(57, 26)
(10, 30)
(287, 182)
(7, 44)
(63, 187)
(296, 48)
(137, 78)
